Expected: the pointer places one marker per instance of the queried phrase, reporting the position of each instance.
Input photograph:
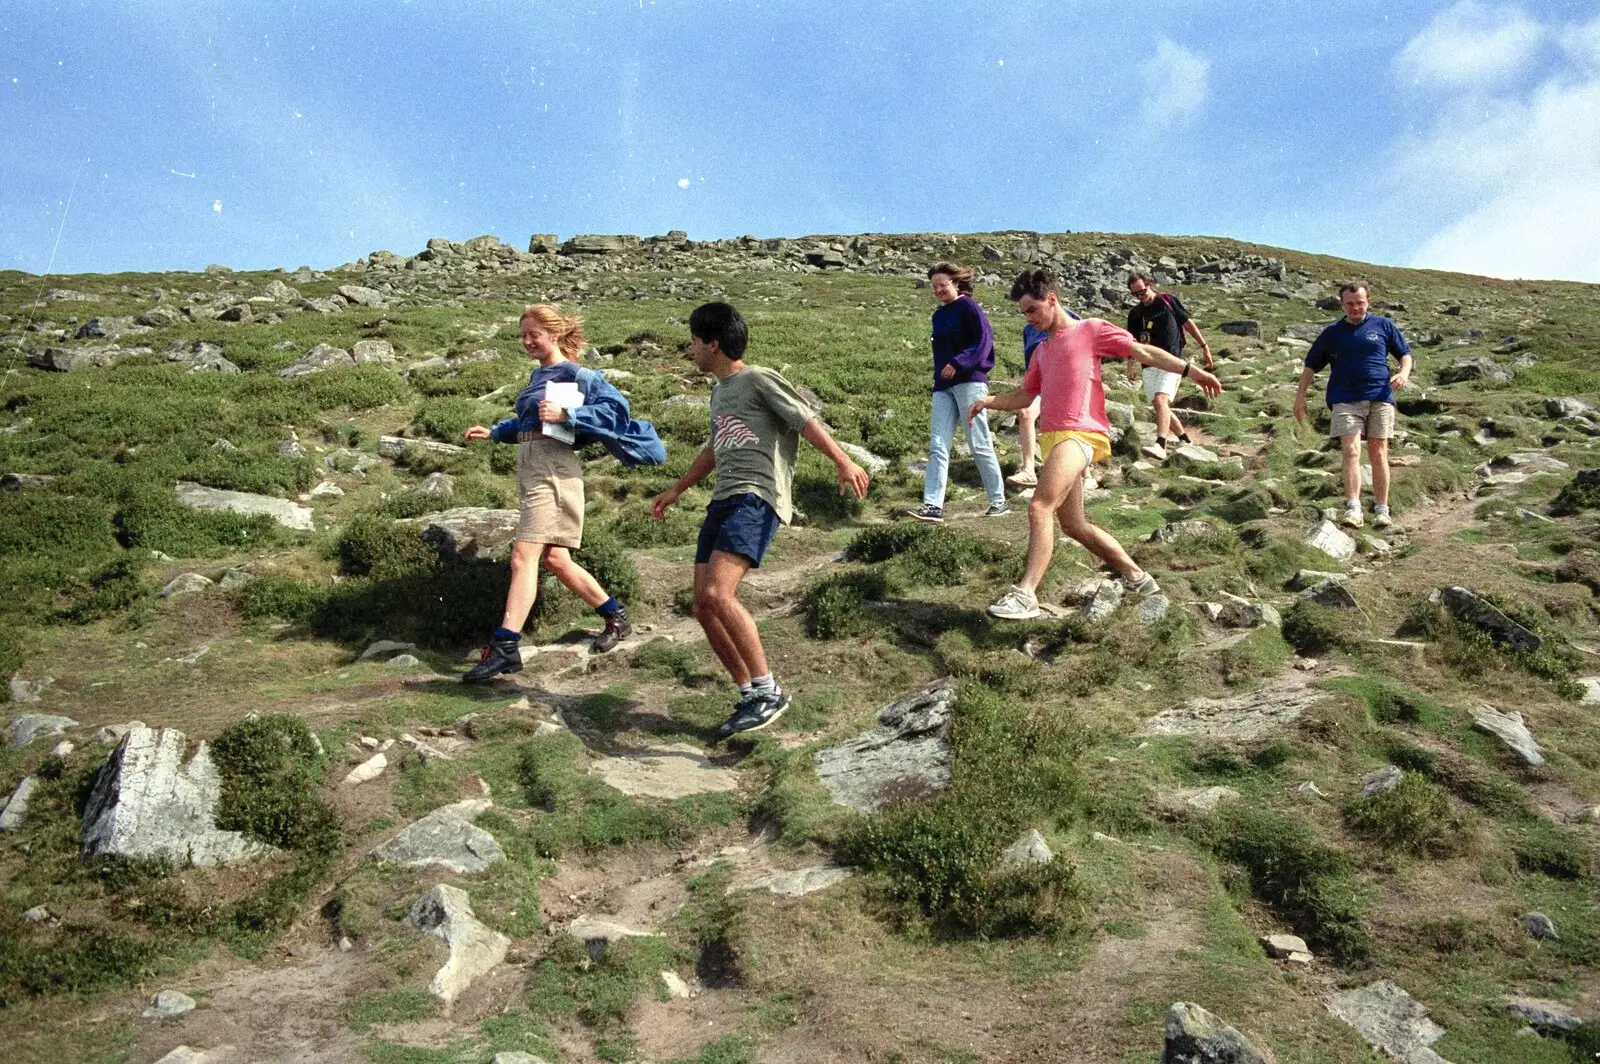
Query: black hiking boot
(501, 655)
(618, 628)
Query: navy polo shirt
(1360, 358)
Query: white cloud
(1528, 168)
(1470, 44)
(1174, 82)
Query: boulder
(676, 988)
(666, 771)
(800, 882)
(445, 912)
(1475, 368)
(378, 352)
(864, 458)
(369, 769)
(286, 513)
(160, 317)
(1303, 331)
(1549, 1018)
(1241, 328)
(395, 446)
(544, 244)
(186, 1055)
(445, 837)
(1191, 455)
(1095, 598)
(1510, 729)
(19, 481)
(169, 1003)
(1205, 799)
(1567, 407)
(1195, 1036)
(185, 584)
(1174, 531)
(322, 305)
(1028, 851)
(1326, 537)
(108, 328)
(906, 756)
(1153, 608)
(199, 356)
(440, 484)
(597, 244)
(469, 533)
(385, 648)
(16, 807)
(316, 360)
(1240, 718)
(30, 726)
(366, 297)
(72, 359)
(1471, 608)
(145, 802)
(1248, 615)
(1391, 1021)
(1331, 591)
(1286, 948)
(1539, 926)
(279, 292)
(1384, 779)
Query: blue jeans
(949, 410)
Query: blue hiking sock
(608, 607)
(506, 633)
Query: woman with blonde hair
(550, 483)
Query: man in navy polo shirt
(1360, 395)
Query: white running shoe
(1017, 605)
(1023, 478)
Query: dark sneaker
(618, 628)
(501, 655)
(754, 713)
(997, 509)
(927, 512)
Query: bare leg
(1167, 424)
(577, 579)
(1026, 417)
(729, 628)
(1095, 540)
(524, 584)
(1062, 474)
(1351, 446)
(1378, 451)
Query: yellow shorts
(1096, 445)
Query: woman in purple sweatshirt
(963, 355)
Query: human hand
(948, 373)
(661, 503)
(477, 432)
(550, 412)
(1399, 381)
(1207, 381)
(1300, 408)
(852, 478)
(1205, 350)
(978, 407)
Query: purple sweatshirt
(961, 337)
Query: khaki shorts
(1372, 418)
(549, 493)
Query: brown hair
(961, 275)
(1142, 275)
(1037, 283)
(1354, 286)
(566, 328)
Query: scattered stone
(1190, 455)
(36, 915)
(1241, 328)
(18, 481)
(194, 656)
(1241, 717)
(62, 749)
(665, 770)
(1291, 948)
(1029, 850)
(1510, 729)
(112, 734)
(1248, 615)
(677, 989)
(234, 579)
(1384, 779)
(380, 352)
(16, 807)
(1103, 601)
(1195, 1036)
(30, 726)
(445, 912)
(327, 487)
(1471, 608)
(864, 458)
(145, 802)
(596, 933)
(800, 882)
(445, 837)
(72, 359)
(1309, 789)
(441, 484)
(1391, 1021)
(1549, 1018)
(404, 661)
(169, 1003)
(369, 769)
(1332, 592)
(316, 360)
(1181, 530)
(185, 584)
(1475, 368)
(1206, 799)
(186, 1055)
(28, 691)
(1567, 407)
(1326, 537)
(383, 648)
(198, 497)
(1591, 690)
(516, 1056)
(1539, 926)
(291, 449)
(907, 756)
(1153, 609)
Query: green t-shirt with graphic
(756, 420)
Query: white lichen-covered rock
(798, 883)
(445, 837)
(369, 769)
(169, 1003)
(1028, 851)
(1391, 1021)
(1248, 716)
(1547, 1017)
(1195, 1036)
(145, 802)
(469, 533)
(906, 756)
(1384, 779)
(286, 513)
(666, 771)
(185, 584)
(1510, 729)
(16, 807)
(1326, 537)
(446, 913)
(30, 726)
(385, 648)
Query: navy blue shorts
(741, 524)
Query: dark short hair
(1142, 275)
(1037, 283)
(1354, 286)
(961, 275)
(721, 324)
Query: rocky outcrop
(445, 837)
(286, 513)
(906, 756)
(145, 802)
(1391, 1020)
(30, 726)
(1510, 729)
(445, 912)
(1471, 608)
(469, 533)
(1195, 1036)
(666, 771)
(1242, 717)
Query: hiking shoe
(998, 509)
(1023, 478)
(1145, 585)
(1352, 517)
(501, 655)
(1017, 605)
(1381, 517)
(1155, 451)
(618, 628)
(754, 713)
(1183, 438)
(927, 512)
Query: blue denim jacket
(604, 418)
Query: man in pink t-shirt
(1073, 431)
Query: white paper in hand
(566, 395)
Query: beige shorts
(1372, 418)
(549, 493)
(1159, 382)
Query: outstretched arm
(699, 469)
(1300, 394)
(1151, 355)
(852, 478)
(1205, 348)
(1017, 400)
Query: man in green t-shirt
(757, 419)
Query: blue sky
(153, 135)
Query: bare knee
(559, 561)
(1075, 525)
(708, 602)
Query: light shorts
(1372, 418)
(1096, 446)
(549, 493)
(1159, 382)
